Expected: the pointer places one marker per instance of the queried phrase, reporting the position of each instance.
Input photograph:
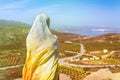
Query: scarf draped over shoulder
(42, 52)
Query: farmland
(99, 50)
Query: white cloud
(101, 30)
(29, 15)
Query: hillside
(8, 23)
(110, 41)
(13, 47)
(111, 37)
(68, 36)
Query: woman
(42, 52)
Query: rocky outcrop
(101, 74)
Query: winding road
(62, 61)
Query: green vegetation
(99, 46)
(73, 72)
(13, 51)
(98, 62)
(12, 48)
(68, 47)
(12, 45)
(66, 54)
(108, 79)
(11, 74)
(96, 48)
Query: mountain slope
(12, 23)
(110, 38)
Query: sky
(64, 14)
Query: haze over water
(91, 31)
(70, 13)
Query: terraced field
(73, 72)
(13, 50)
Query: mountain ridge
(62, 36)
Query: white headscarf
(42, 52)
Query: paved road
(61, 61)
(9, 67)
(92, 66)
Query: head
(40, 30)
(44, 18)
(48, 21)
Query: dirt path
(9, 67)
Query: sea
(92, 31)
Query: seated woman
(42, 52)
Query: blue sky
(64, 13)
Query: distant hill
(10, 30)
(13, 44)
(12, 34)
(111, 37)
(68, 36)
(8, 23)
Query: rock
(99, 75)
(115, 76)
(64, 77)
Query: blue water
(93, 31)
